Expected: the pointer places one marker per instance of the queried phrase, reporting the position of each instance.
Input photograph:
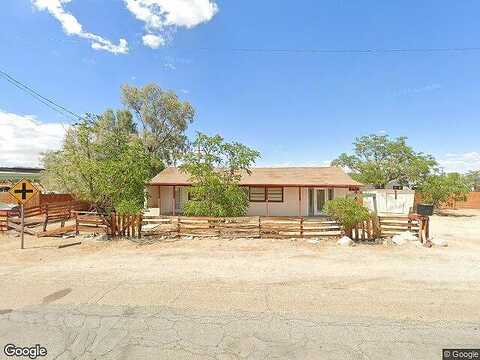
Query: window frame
(275, 187)
(250, 194)
(265, 194)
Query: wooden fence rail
(249, 227)
(4, 215)
(275, 227)
(113, 225)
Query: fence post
(76, 224)
(113, 226)
(260, 226)
(140, 221)
(301, 227)
(427, 229)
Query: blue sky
(296, 108)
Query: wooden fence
(276, 227)
(55, 198)
(38, 200)
(6, 198)
(472, 202)
(4, 215)
(252, 227)
(249, 227)
(113, 225)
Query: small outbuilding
(272, 191)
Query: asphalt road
(122, 332)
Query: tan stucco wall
(290, 207)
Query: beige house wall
(289, 206)
(161, 197)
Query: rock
(398, 240)
(189, 238)
(103, 237)
(68, 236)
(402, 238)
(439, 242)
(388, 242)
(313, 241)
(428, 244)
(409, 236)
(345, 241)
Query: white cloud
(24, 138)
(71, 26)
(461, 162)
(169, 66)
(418, 90)
(153, 41)
(162, 16)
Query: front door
(320, 199)
(317, 199)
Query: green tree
(472, 179)
(102, 161)
(164, 118)
(348, 212)
(438, 189)
(215, 168)
(378, 160)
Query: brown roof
(286, 176)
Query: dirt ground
(400, 282)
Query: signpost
(23, 191)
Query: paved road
(122, 332)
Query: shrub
(347, 212)
(438, 189)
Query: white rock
(313, 241)
(398, 240)
(402, 238)
(388, 242)
(409, 236)
(439, 242)
(345, 241)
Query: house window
(275, 194)
(331, 194)
(261, 194)
(257, 194)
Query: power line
(335, 51)
(39, 97)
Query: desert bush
(347, 212)
(438, 189)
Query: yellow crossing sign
(23, 191)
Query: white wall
(161, 197)
(389, 201)
(289, 206)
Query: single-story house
(274, 191)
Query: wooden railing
(4, 215)
(277, 227)
(113, 225)
(249, 227)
